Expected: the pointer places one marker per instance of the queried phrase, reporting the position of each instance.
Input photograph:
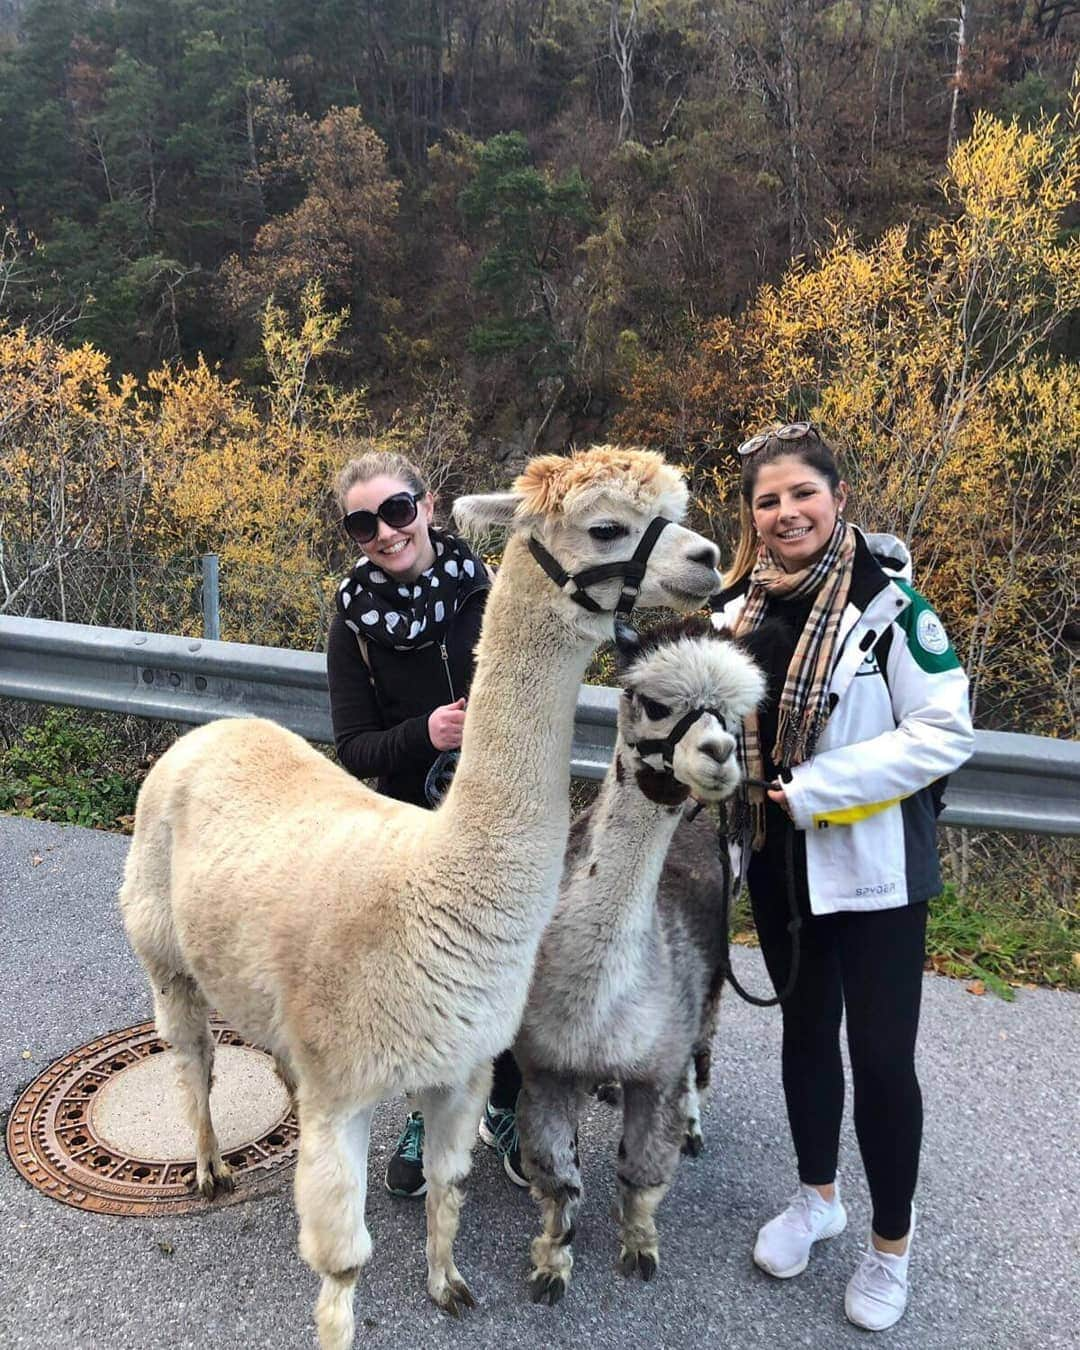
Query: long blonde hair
(812, 451)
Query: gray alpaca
(627, 977)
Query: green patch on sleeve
(926, 637)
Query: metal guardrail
(1012, 782)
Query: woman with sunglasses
(399, 664)
(868, 708)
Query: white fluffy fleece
(691, 673)
(672, 502)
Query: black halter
(665, 747)
(632, 569)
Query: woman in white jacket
(868, 708)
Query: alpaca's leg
(693, 1140)
(450, 1116)
(697, 1080)
(549, 1107)
(181, 1017)
(653, 1129)
(331, 1191)
(286, 1077)
(609, 1092)
(706, 1032)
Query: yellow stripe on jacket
(850, 815)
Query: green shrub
(988, 937)
(59, 770)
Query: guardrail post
(211, 598)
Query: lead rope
(794, 924)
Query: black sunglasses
(398, 511)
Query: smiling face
(401, 553)
(794, 510)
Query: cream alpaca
(630, 967)
(372, 947)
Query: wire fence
(145, 592)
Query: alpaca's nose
(718, 750)
(708, 555)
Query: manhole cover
(104, 1128)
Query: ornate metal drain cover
(104, 1128)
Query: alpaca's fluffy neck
(613, 883)
(602, 957)
(510, 794)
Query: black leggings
(869, 964)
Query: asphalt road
(996, 1258)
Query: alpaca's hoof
(216, 1180)
(546, 1287)
(694, 1144)
(633, 1263)
(455, 1297)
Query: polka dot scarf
(406, 616)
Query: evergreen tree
(531, 220)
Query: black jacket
(380, 717)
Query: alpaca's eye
(655, 712)
(605, 533)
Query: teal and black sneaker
(405, 1170)
(498, 1129)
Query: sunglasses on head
(794, 431)
(398, 511)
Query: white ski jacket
(900, 720)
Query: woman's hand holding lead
(777, 795)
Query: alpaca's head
(671, 672)
(591, 508)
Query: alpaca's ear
(483, 511)
(627, 643)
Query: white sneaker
(783, 1244)
(877, 1293)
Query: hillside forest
(237, 236)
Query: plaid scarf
(804, 707)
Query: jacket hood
(892, 553)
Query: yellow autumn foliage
(186, 464)
(926, 358)
(926, 355)
(110, 490)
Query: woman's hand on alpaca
(446, 724)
